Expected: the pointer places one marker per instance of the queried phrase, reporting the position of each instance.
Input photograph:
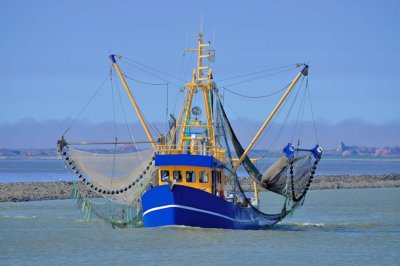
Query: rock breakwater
(30, 191)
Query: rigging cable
(152, 68)
(257, 97)
(274, 118)
(115, 128)
(86, 105)
(166, 111)
(144, 82)
(275, 137)
(312, 111)
(151, 74)
(258, 72)
(290, 110)
(167, 82)
(113, 109)
(280, 130)
(189, 64)
(263, 76)
(126, 120)
(300, 115)
(153, 84)
(149, 83)
(246, 128)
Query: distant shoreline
(32, 191)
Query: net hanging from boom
(118, 180)
(124, 176)
(290, 176)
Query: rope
(257, 97)
(144, 117)
(263, 76)
(189, 64)
(126, 120)
(166, 111)
(115, 130)
(280, 130)
(299, 114)
(152, 68)
(312, 111)
(266, 131)
(246, 128)
(86, 105)
(291, 106)
(113, 109)
(154, 84)
(258, 72)
(144, 82)
(287, 115)
(152, 74)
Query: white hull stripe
(192, 209)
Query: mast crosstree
(201, 79)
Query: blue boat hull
(193, 207)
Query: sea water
(334, 227)
(55, 170)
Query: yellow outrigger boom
(128, 91)
(304, 72)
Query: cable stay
(285, 68)
(257, 97)
(86, 105)
(145, 82)
(152, 68)
(135, 64)
(255, 78)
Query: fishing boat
(189, 176)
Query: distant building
(341, 148)
(368, 151)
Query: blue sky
(55, 53)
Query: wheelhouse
(197, 171)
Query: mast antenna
(201, 23)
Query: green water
(357, 227)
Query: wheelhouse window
(164, 175)
(203, 177)
(190, 176)
(178, 176)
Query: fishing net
(290, 176)
(116, 213)
(122, 177)
(116, 182)
(277, 177)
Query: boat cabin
(197, 171)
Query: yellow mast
(202, 80)
(191, 86)
(128, 91)
(304, 72)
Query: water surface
(352, 226)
